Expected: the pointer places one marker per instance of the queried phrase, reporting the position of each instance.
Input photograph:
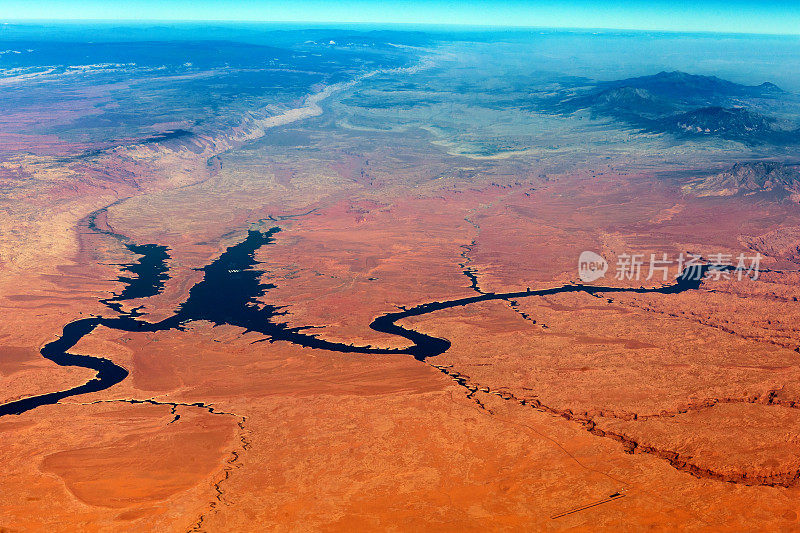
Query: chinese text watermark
(661, 267)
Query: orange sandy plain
(569, 411)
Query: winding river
(228, 294)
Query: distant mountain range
(682, 86)
(749, 177)
(632, 103)
(686, 105)
(729, 123)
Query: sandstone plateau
(337, 289)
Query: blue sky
(746, 16)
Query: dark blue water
(228, 294)
(148, 275)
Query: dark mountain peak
(757, 174)
(770, 88)
(679, 75)
(750, 176)
(681, 85)
(624, 94)
(734, 122)
(619, 102)
(686, 105)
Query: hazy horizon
(399, 26)
(743, 16)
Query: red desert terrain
(496, 391)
